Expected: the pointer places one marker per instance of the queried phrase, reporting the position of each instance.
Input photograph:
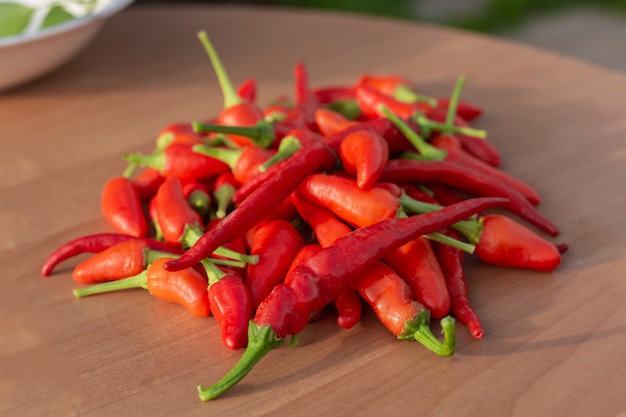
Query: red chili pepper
(177, 133)
(119, 261)
(230, 303)
(386, 84)
(247, 89)
(121, 206)
(343, 197)
(451, 260)
(237, 111)
(306, 101)
(417, 264)
(347, 303)
(313, 284)
(174, 214)
(396, 140)
(454, 175)
(186, 287)
(179, 160)
(147, 183)
(330, 122)
(500, 240)
(259, 204)
(276, 243)
(456, 154)
(370, 100)
(329, 95)
(364, 155)
(505, 242)
(94, 244)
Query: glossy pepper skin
(276, 243)
(364, 155)
(119, 261)
(231, 306)
(343, 197)
(174, 214)
(505, 242)
(94, 244)
(315, 283)
(186, 287)
(121, 205)
(259, 204)
(417, 264)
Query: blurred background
(592, 30)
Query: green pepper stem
(261, 133)
(428, 125)
(226, 155)
(231, 98)
(418, 329)
(450, 241)
(425, 149)
(136, 281)
(193, 232)
(348, 108)
(261, 340)
(288, 146)
(223, 197)
(471, 229)
(129, 171)
(454, 100)
(405, 94)
(154, 160)
(213, 272)
(200, 202)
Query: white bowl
(28, 56)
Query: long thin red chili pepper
(466, 180)
(94, 244)
(121, 206)
(313, 284)
(186, 287)
(451, 260)
(259, 204)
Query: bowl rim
(70, 25)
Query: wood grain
(554, 342)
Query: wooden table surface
(554, 343)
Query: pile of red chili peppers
(352, 196)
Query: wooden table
(554, 343)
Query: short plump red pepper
(121, 205)
(364, 155)
(313, 284)
(343, 197)
(276, 243)
(147, 183)
(417, 264)
(119, 261)
(174, 214)
(244, 162)
(186, 287)
(330, 122)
